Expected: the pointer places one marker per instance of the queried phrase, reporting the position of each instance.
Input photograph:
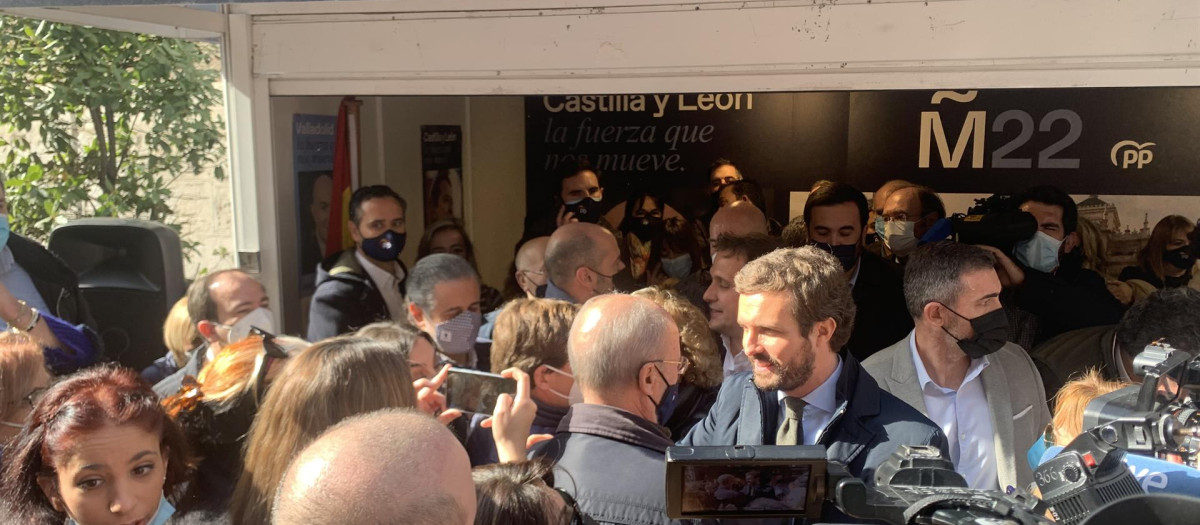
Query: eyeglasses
(717, 183)
(576, 515)
(271, 352)
(682, 363)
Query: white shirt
(965, 418)
(854, 276)
(734, 362)
(819, 408)
(388, 285)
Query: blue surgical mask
(678, 267)
(161, 516)
(1039, 252)
(4, 230)
(666, 404)
(386, 247)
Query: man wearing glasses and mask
(625, 356)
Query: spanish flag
(345, 176)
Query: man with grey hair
(958, 368)
(796, 312)
(389, 466)
(581, 261)
(624, 352)
(443, 301)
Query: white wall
(578, 46)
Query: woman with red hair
(97, 449)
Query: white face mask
(567, 397)
(240, 329)
(898, 236)
(1039, 252)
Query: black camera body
(1085, 476)
(916, 485)
(995, 221)
(1158, 418)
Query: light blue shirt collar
(823, 397)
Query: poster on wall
(312, 163)
(441, 163)
(1127, 155)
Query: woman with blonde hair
(313, 392)
(701, 380)
(180, 336)
(215, 411)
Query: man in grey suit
(958, 368)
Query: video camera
(1158, 418)
(993, 221)
(916, 485)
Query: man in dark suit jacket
(802, 391)
(835, 216)
(363, 284)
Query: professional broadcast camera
(993, 221)
(916, 486)
(1158, 418)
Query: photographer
(1048, 289)
(1166, 314)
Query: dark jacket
(57, 284)
(160, 369)
(1069, 299)
(172, 383)
(346, 298)
(59, 287)
(868, 426)
(881, 317)
(1070, 354)
(615, 463)
(481, 448)
(691, 407)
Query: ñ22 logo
(974, 132)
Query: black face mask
(645, 228)
(586, 210)
(1183, 257)
(991, 333)
(847, 254)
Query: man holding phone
(796, 312)
(625, 355)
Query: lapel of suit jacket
(996, 389)
(903, 380)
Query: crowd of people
(860, 325)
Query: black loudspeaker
(130, 273)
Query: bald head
(390, 466)
(530, 263)
(612, 337)
(581, 259)
(739, 218)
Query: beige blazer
(1014, 392)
